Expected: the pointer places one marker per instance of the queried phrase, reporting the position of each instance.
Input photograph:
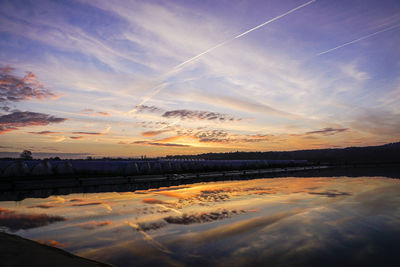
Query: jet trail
(244, 33)
(357, 40)
(159, 87)
(276, 18)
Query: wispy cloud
(328, 131)
(150, 143)
(93, 224)
(158, 88)
(88, 133)
(244, 33)
(88, 204)
(92, 112)
(154, 133)
(44, 132)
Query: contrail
(244, 33)
(159, 87)
(149, 238)
(359, 39)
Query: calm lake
(262, 222)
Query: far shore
(35, 187)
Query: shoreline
(39, 188)
(19, 251)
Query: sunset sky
(130, 78)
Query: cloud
(378, 122)
(76, 137)
(238, 228)
(352, 71)
(172, 194)
(211, 136)
(52, 243)
(154, 133)
(43, 206)
(92, 112)
(89, 133)
(147, 226)
(16, 119)
(17, 221)
(106, 131)
(236, 103)
(198, 115)
(328, 131)
(92, 225)
(151, 109)
(44, 132)
(221, 136)
(149, 143)
(87, 204)
(158, 88)
(76, 200)
(15, 89)
(153, 201)
(332, 193)
(186, 219)
(152, 124)
(203, 217)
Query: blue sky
(107, 76)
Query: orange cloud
(76, 200)
(43, 206)
(93, 224)
(171, 139)
(153, 133)
(88, 204)
(52, 243)
(153, 201)
(172, 194)
(89, 133)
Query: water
(262, 222)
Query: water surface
(267, 222)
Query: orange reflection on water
(198, 224)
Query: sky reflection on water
(268, 222)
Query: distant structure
(12, 168)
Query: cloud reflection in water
(283, 221)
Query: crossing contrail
(159, 88)
(359, 39)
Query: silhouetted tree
(26, 155)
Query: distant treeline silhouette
(388, 153)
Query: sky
(155, 78)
